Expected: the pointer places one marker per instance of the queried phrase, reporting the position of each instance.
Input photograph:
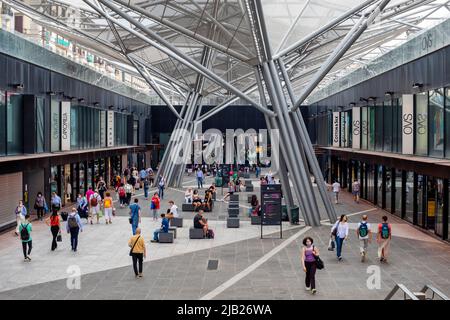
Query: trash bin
(218, 182)
(295, 213)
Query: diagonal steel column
(340, 50)
(307, 147)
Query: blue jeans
(199, 182)
(74, 237)
(134, 226)
(156, 234)
(146, 192)
(339, 243)
(161, 192)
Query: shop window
(397, 189)
(409, 197)
(379, 127)
(379, 186)
(421, 206)
(390, 187)
(371, 128)
(447, 122)
(74, 128)
(397, 112)
(421, 124)
(436, 123)
(14, 124)
(387, 126)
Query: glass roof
(172, 39)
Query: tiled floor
(249, 267)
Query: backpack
(107, 203)
(385, 231)
(210, 234)
(121, 192)
(94, 201)
(72, 222)
(363, 230)
(24, 234)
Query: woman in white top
(188, 195)
(340, 232)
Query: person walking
(200, 177)
(101, 188)
(135, 215)
(55, 226)
(56, 202)
(146, 188)
(95, 202)
(364, 235)
(340, 232)
(155, 206)
(40, 205)
(25, 229)
(161, 185)
(138, 252)
(309, 254)
(128, 192)
(108, 207)
(21, 212)
(336, 189)
(74, 227)
(384, 237)
(355, 190)
(122, 195)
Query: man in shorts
(355, 190)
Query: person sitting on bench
(200, 222)
(230, 190)
(164, 228)
(208, 199)
(188, 196)
(197, 202)
(172, 212)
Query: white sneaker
(307, 288)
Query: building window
(421, 124)
(387, 126)
(40, 124)
(409, 194)
(74, 128)
(447, 122)
(371, 128)
(55, 126)
(135, 132)
(436, 123)
(397, 112)
(2, 123)
(379, 127)
(14, 125)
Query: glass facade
(40, 123)
(2, 123)
(387, 126)
(379, 133)
(120, 127)
(409, 197)
(14, 124)
(436, 123)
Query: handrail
(405, 290)
(435, 291)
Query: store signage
(65, 126)
(336, 125)
(408, 124)
(271, 204)
(102, 129)
(343, 127)
(356, 128)
(110, 128)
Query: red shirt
(54, 221)
(156, 201)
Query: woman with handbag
(340, 233)
(55, 227)
(310, 257)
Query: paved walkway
(248, 267)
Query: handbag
(334, 232)
(59, 237)
(331, 244)
(130, 220)
(319, 262)
(131, 251)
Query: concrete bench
(176, 222)
(195, 233)
(174, 231)
(247, 175)
(234, 197)
(165, 237)
(256, 220)
(249, 189)
(233, 204)
(190, 207)
(233, 223)
(233, 212)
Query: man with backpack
(95, 206)
(74, 227)
(364, 235)
(384, 238)
(122, 195)
(25, 229)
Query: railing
(421, 295)
(435, 292)
(405, 290)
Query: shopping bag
(100, 214)
(59, 236)
(331, 245)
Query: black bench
(190, 207)
(176, 222)
(174, 231)
(195, 233)
(233, 222)
(165, 237)
(233, 212)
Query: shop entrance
(435, 205)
